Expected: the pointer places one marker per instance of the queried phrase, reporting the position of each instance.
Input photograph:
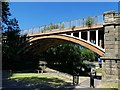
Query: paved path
(86, 83)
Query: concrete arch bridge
(90, 37)
(100, 34)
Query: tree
(60, 53)
(89, 55)
(51, 26)
(10, 34)
(5, 12)
(62, 26)
(89, 21)
(63, 55)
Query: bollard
(38, 71)
(92, 81)
(10, 72)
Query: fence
(95, 20)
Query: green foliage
(5, 13)
(99, 70)
(66, 53)
(11, 37)
(89, 55)
(50, 27)
(40, 79)
(62, 25)
(89, 21)
(56, 26)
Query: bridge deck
(57, 31)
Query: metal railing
(82, 22)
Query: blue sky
(33, 14)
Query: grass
(39, 79)
(27, 75)
(106, 84)
(99, 70)
(109, 85)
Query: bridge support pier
(111, 59)
(110, 69)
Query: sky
(33, 14)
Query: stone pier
(111, 59)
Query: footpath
(84, 81)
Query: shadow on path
(40, 83)
(33, 83)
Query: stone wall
(110, 69)
(111, 59)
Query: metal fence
(82, 22)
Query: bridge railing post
(100, 19)
(28, 31)
(34, 30)
(67, 24)
(70, 24)
(83, 22)
(77, 22)
(60, 26)
(42, 29)
(39, 29)
(95, 20)
(31, 30)
(80, 22)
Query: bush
(89, 21)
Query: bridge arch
(75, 40)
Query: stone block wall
(110, 69)
(111, 59)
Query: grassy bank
(109, 85)
(44, 78)
(99, 70)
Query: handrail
(63, 25)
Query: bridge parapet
(71, 24)
(111, 17)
